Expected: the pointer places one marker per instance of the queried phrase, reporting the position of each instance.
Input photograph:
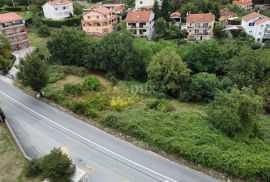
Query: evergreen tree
(165, 10)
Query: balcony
(12, 26)
(266, 35)
(19, 40)
(16, 34)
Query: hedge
(11, 8)
(74, 21)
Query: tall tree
(156, 10)
(165, 10)
(33, 72)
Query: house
(116, 8)
(226, 16)
(58, 9)
(141, 23)
(146, 3)
(176, 17)
(257, 26)
(200, 26)
(98, 21)
(243, 4)
(12, 26)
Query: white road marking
(108, 150)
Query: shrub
(57, 167)
(91, 84)
(54, 77)
(2, 115)
(59, 23)
(160, 105)
(44, 31)
(97, 102)
(54, 95)
(119, 103)
(33, 168)
(78, 107)
(91, 113)
(72, 89)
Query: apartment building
(257, 26)
(141, 23)
(98, 21)
(146, 3)
(13, 27)
(200, 26)
(58, 9)
(243, 4)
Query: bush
(2, 115)
(44, 31)
(73, 89)
(97, 102)
(161, 105)
(57, 167)
(54, 77)
(119, 103)
(33, 168)
(91, 84)
(74, 21)
(78, 107)
(54, 95)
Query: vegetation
(33, 72)
(6, 57)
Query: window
(261, 26)
(56, 9)
(140, 2)
(205, 25)
(97, 17)
(251, 24)
(197, 24)
(64, 7)
(197, 31)
(260, 33)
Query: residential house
(12, 26)
(200, 26)
(243, 4)
(146, 3)
(141, 23)
(116, 8)
(58, 9)
(257, 26)
(98, 21)
(176, 17)
(226, 16)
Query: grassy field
(38, 42)
(177, 128)
(12, 161)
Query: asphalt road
(104, 157)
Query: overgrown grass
(12, 161)
(183, 130)
(39, 42)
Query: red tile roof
(119, 7)
(138, 16)
(262, 20)
(103, 10)
(8, 17)
(243, 2)
(252, 16)
(175, 14)
(58, 2)
(200, 18)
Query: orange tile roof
(262, 20)
(243, 2)
(138, 16)
(58, 2)
(200, 18)
(119, 7)
(103, 10)
(175, 14)
(8, 17)
(252, 16)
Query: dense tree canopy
(168, 72)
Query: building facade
(58, 9)
(141, 23)
(13, 27)
(257, 26)
(243, 4)
(176, 17)
(200, 26)
(146, 3)
(98, 21)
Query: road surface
(104, 157)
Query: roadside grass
(12, 161)
(176, 128)
(39, 42)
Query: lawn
(177, 128)
(12, 161)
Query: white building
(257, 26)
(141, 23)
(58, 9)
(146, 3)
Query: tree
(33, 72)
(236, 112)
(78, 8)
(57, 167)
(168, 72)
(44, 31)
(161, 29)
(67, 47)
(5, 47)
(250, 68)
(156, 10)
(4, 65)
(203, 87)
(116, 55)
(203, 56)
(165, 10)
